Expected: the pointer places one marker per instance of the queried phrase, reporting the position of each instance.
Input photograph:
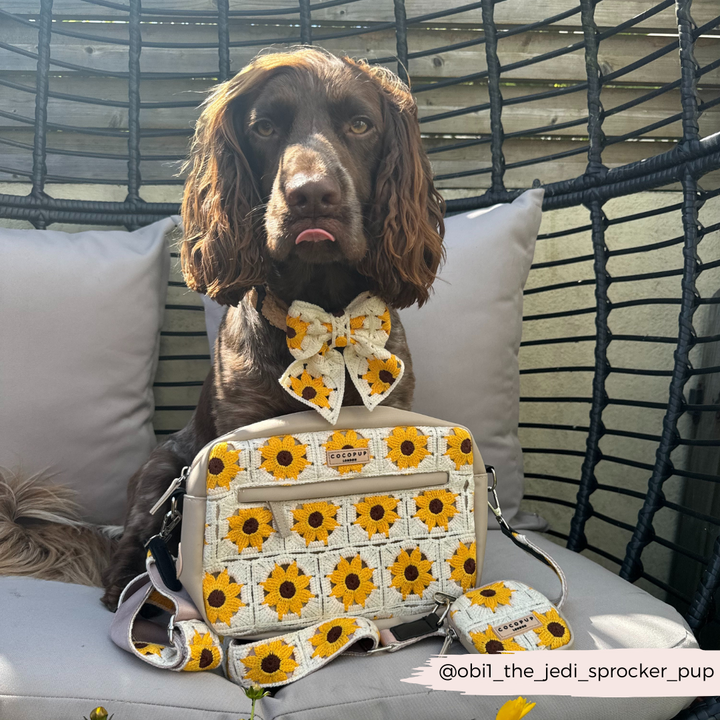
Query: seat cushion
(75, 666)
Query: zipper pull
(174, 485)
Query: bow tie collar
(324, 344)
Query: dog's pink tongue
(313, 235)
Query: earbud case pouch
(508, 616)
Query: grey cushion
(80, 319)
(76, 666)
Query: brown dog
(307, 181)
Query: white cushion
(80, 318)
(57, 660)
(465, 340)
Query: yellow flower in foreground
(491, 595)
(411, 573)
(463, 565)
(315, 521)
(554, 632)
(489, 643)
(333, 635)
(460, 447)
(287, 590)
(435, 508)
(514, 709)
(250, 527)
(99, 713)
(284, 458)
(352, 581)
(222, 466)
(271, 663)
(382, 374)
(222, 597)
(407, 447)
(312, 389)
(350, 440)
(203, 653)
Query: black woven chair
(689, 160)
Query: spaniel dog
(307, 181)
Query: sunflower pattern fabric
(284, 564)
(315, 338)
(508, 616)
(192, 646)
(280, 660)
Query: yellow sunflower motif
(356, 323)
(411, 573)
(149, 648)
(284, 457)
(204, 655)
(460, 447)
(376, 514)
(250, 527)
(352, 581)
(488, 643)
(161, 601)
(385, 319)
(382, 374)
(222, 597)
(287, 590)
(222, 466)
(333, 635)
(348, 440)
(407, 447)
(315, 521)
(435, 508)
(312, 389)
(554, 633)
(271, 663)
(464, 571)
(491, 596)
(295, 332)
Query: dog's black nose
(310, 197)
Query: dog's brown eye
(359, 126)
(264, 128)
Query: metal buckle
(445, 600)
(174, 485)
(171, 519)
(496, 510)
(450, 635)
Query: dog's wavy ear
(406, 216)
(221, 253)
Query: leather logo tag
(351, 456)
(516, 627)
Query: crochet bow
(317, 376)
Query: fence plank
(607, 14)
(516, 118)
(466, 159)
(615, 52)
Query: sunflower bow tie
(317, 376)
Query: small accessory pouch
(508, 616)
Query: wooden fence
(88, 110)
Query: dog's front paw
(111, 597)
